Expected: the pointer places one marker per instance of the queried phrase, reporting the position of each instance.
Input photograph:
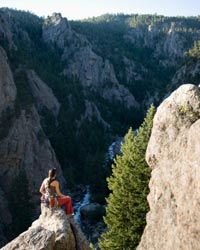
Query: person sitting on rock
(51, 194)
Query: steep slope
(82, 106)
(173, 154)
(72, 88)
(42, 93)
(80, 62)
(190, 70)
(24, 148)
(7, 86)
(145, 50)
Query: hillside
(69, 89)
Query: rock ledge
(52, 231)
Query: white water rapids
(79, 205)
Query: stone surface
(52, 231)
(35, 238)
(91, 112)
(170, 47)
(42, 93)
(82, 63)
(173, 154)
(118, 93)
(7, 86)
(27, 147)
(7, 24)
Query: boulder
(173, 151)
(52, 231)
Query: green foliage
(127, 204)
(190, 72)
(79, 149)
(195, 51)
(111, 37)
(189, 113)
(19, 203)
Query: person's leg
(67, 202)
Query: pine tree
(127, 204)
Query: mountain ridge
(95, 80)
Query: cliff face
(7, 87)
(167, 39)
(42, 93)
(83, 88)
(23, 146)
(52, 231)
(173, 154)
(82, 63)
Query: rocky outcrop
(133, 71)
(27, 147)
(91, 112)
(57, 30)
(42, 93)
(52, 231)
(6, 25)
(7, 87)
(23, 144)
(189, 72)
(118, 93)
(173, 154)
(82, 63)
(167, 39)
(90, 68)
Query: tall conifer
(127, 203)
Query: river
(80, 204)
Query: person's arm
(57, 186)
(42, 189)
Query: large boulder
(173, 154)
(52, 231)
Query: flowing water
(79, 205)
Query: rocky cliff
(52, 231)
(42, 93)
(24, 147)
(74, 89)
(167, 38)
(173, 154)
(7, 87)
(82, 63)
